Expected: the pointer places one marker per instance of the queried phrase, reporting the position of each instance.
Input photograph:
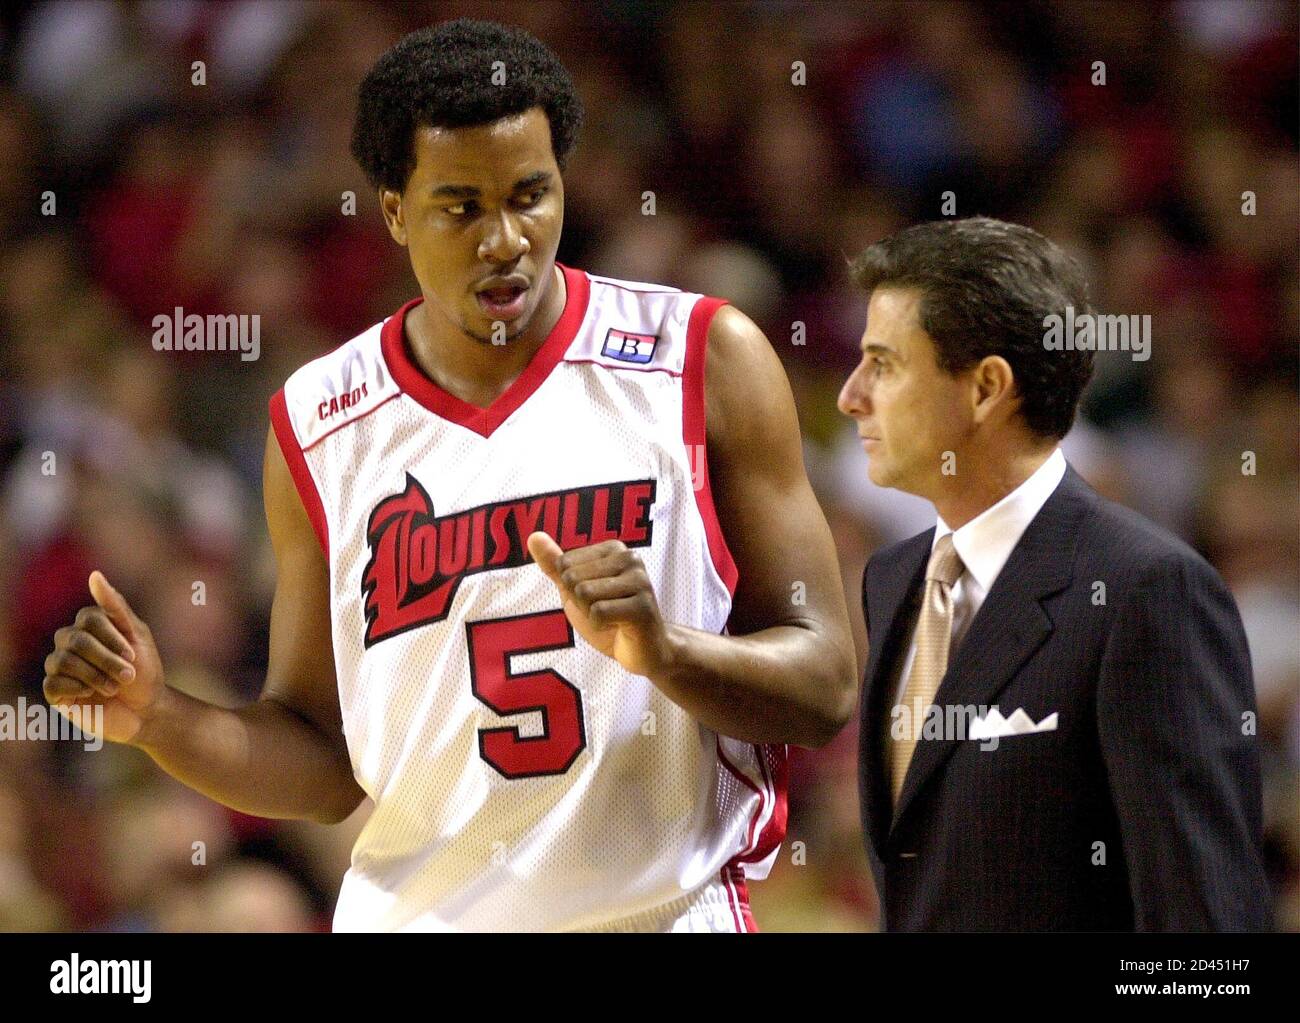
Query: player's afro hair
(441, 77)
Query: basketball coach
(1058, 710)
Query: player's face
(909, 411)
(481, 215)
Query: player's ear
(390, 203)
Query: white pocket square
(994, 726)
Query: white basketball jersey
(521, 779)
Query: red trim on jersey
(302, 477)
(483, 421)
(695, 436)
(774, 831)
(748, 782)
(733, 901)
(733, 880)
(756, 849)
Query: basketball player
(516, 605)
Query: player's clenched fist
(608, 598)
(107, 656)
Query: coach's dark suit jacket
(1141, 811)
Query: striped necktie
(933, 638)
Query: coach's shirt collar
(986, 541)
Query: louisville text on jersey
(417, 558)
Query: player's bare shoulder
(300, 670)
(286, 519)
(750, 407)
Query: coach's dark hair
(986, 287)
(441, 77)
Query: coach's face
(481, 215)
(909, 411)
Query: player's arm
(786, 673)
(282, 756)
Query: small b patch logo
(628, 347)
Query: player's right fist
(107, 656)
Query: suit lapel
(893, 602)
(1011, 623)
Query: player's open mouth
(505, 303)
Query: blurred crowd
(1129, 133)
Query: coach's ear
(993, 388)
(390, 203)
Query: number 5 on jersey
(491, 645)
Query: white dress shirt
(984, 544)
